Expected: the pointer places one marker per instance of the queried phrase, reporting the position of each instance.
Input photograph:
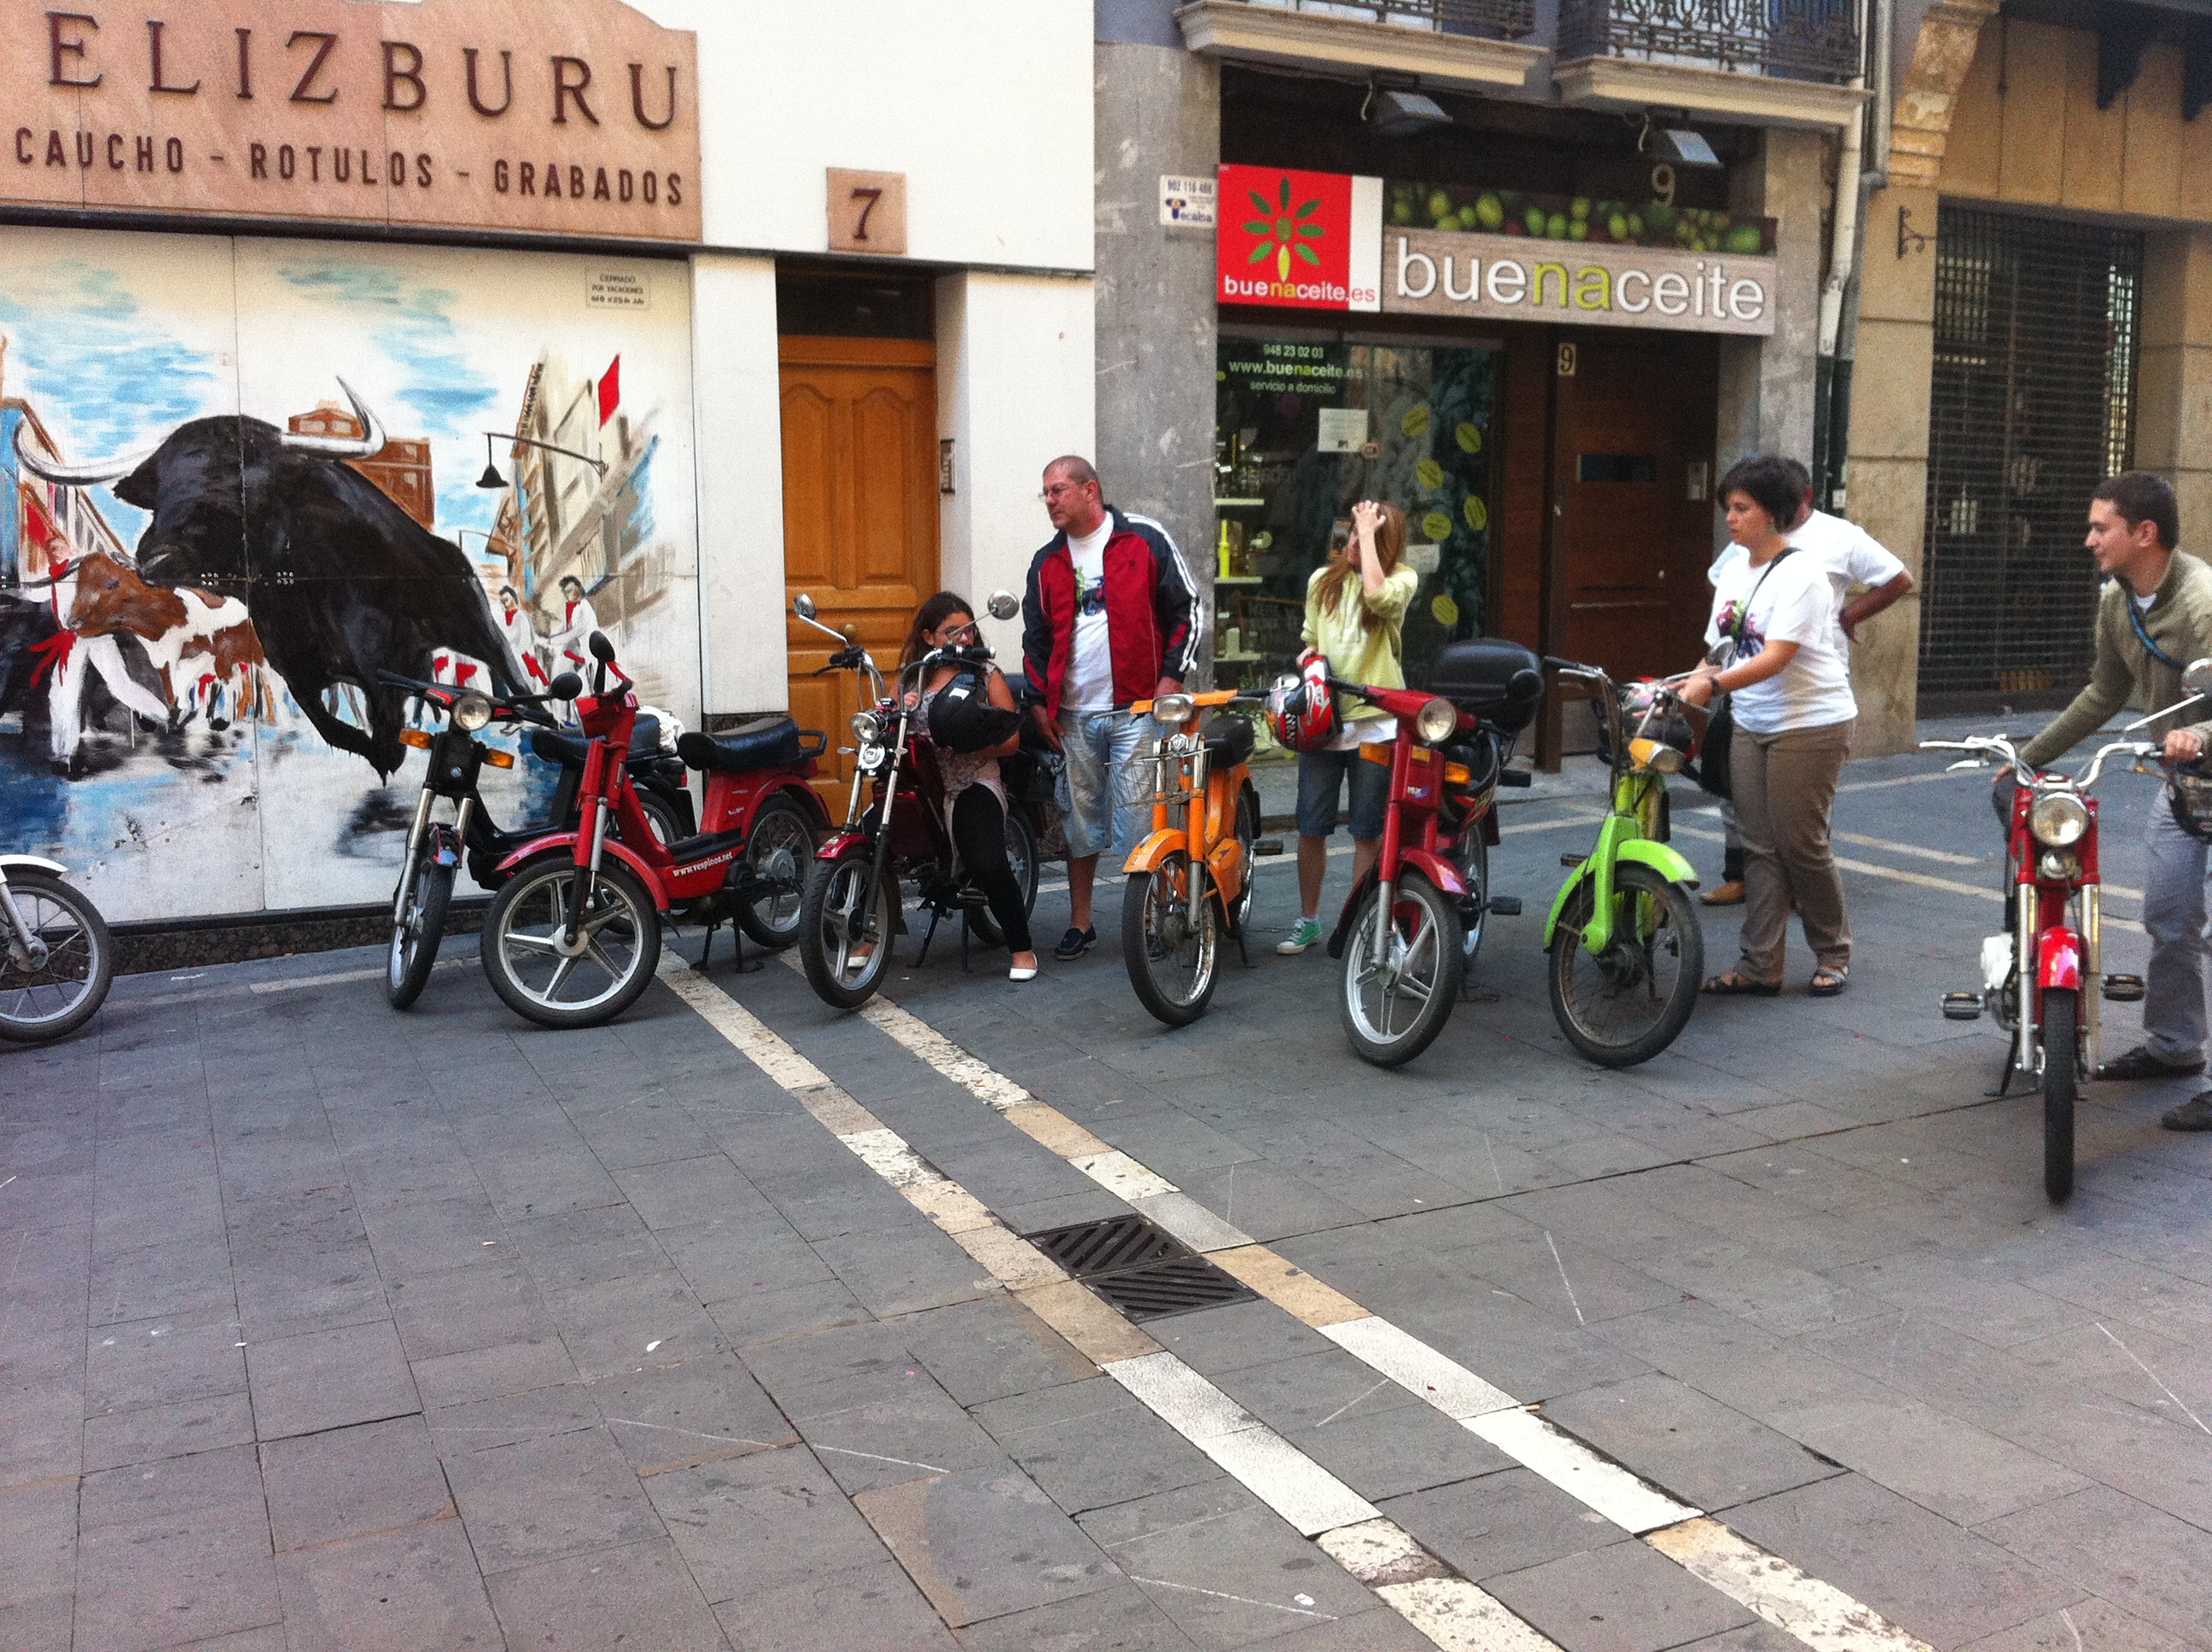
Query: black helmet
(962, 719)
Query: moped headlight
(471, 712)
(2058, 819)
(1656, 756)
(867, 728)
(1172, 708)
(1435, 722)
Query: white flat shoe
(1021, 974)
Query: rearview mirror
(1004, 606)
(803, 606)
(602, 650)
(567, 686)
(2197, 679)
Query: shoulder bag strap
(2143, 632)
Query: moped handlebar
(1981, 747)
(512, 708)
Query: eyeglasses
(1059, 488)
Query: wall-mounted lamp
(1678, 146)
(1397, 112)
(492, 478)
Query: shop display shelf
(1219, 503)
(1236, 659)
(1238, 579)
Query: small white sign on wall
(618, 289)
(1187, 201)
(1343, 429)
(1423, 559)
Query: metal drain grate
(1175, 1285)
(1106, 1247)
(1145, 1273)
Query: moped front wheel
(61, 982)
(779, 850)
(847, 929)
(416, 932)
(1628, 1002)
(1399, 987)
(1170, 941)
(541, 975)
(2061, 1080)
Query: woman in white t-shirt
(1778, 652)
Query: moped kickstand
(736, 939)
(2004, 1080)
(922, 956)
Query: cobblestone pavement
(322, 1327)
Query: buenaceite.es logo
(1292, 246)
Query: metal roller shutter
(2033, 404)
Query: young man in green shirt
(2134, 526)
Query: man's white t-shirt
(1090, 683)
(1791, 600)
(1847, 552)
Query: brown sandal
(1733, 985)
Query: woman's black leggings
(979, 831)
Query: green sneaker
(1303, 934)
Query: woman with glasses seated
(975, 796)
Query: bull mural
(340, 582)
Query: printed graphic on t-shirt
(1094, 595)
(1751, 639)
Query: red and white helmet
(1302, 709)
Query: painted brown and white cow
(203, 645)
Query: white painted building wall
(986, 106)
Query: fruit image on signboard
(1298, 239)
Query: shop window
(1304, 429)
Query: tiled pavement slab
(328, 1327)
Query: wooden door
(859, 512)
(1631, 467)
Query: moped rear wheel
(1627, 1004)
(1170, 941)
(778, 852)
(1399, 990)
(2062, 1079)
(1472, 860)
(59, 987)
(847, 929)
(1247, 834)
(416, 934)
(619, 937)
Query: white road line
(1816, 1613)
(1448, 1609)
(1913, 849)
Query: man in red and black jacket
(1110, 617)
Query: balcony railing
(1795, 39)
(1495, 19)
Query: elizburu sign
(1486, 277)
(580, 119)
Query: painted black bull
(341, 583)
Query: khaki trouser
(1785, 785)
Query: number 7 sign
(867, 211)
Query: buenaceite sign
(1520, 278)
(575, 119)
(1301, 240)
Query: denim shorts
(1105, 797)
(1321, 778)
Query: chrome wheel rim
(614, 933)
(1386, 992)
(1179, 945)
(65, 959)
(855, 932)
(780, 855)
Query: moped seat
(762, 743)
(559, 746)
(1500, 681)
(1228, 741)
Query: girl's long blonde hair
(1344, 565)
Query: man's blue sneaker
(1074, 943)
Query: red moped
(1410, 927)
(573, 935)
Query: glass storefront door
(1306, 427)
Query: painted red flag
(609, 390)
